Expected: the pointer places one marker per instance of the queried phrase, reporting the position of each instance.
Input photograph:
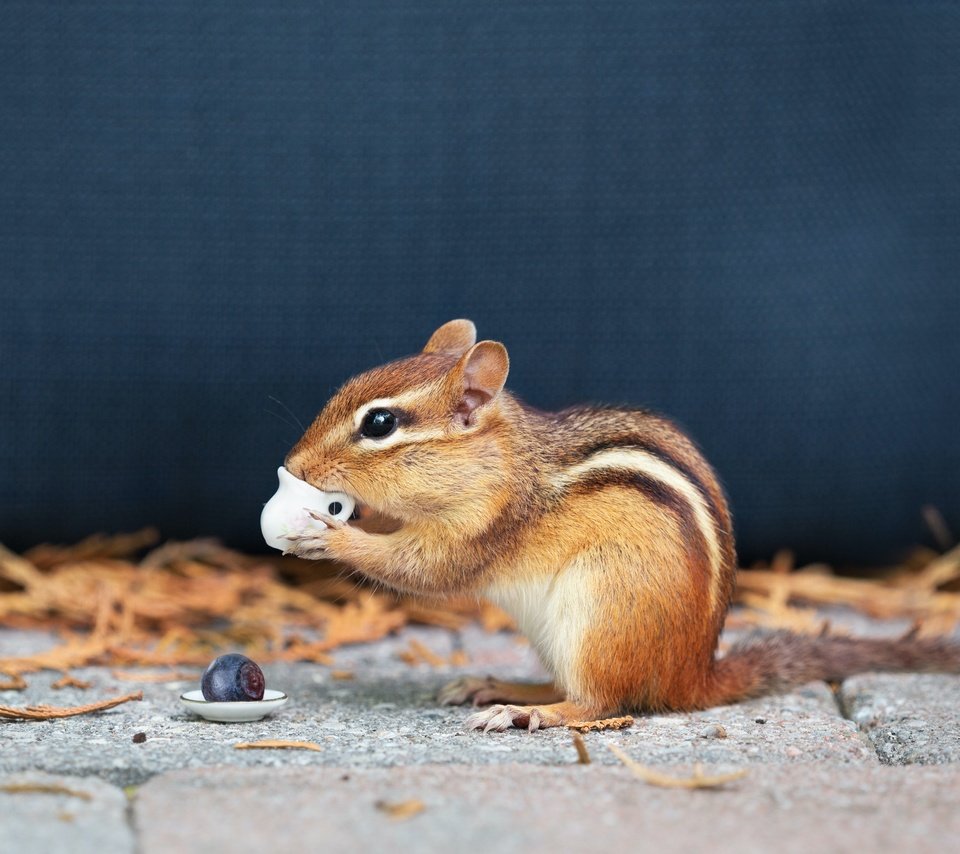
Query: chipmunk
(603, 531)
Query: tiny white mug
(287, 511)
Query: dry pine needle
(277, 744)
(699, 780)
(182, 603)
(583, 755)
(43, 789)
(44, 713)
(401, 810)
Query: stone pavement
(831, 772)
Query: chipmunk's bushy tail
(780, 661)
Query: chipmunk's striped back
(642, 450)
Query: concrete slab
(387, 716)
(54, 814)
(513, 808)
(909, 718)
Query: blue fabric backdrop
(745, 214)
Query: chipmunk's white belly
(554, 613)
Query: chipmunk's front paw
(310, 544)
(313, 543)
(499, 718)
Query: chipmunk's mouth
(371, 520)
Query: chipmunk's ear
(480, 375)
(455, 337)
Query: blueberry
(232, 678)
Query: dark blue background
(745, 214)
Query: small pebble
(139, 737)
(713, 731)
(793, 752)
(760, 720)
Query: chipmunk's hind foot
(531, 718)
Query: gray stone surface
(521, 808)
(804, 725)
(815, 781)
(909, 718)
(52, 822)
(387, 716)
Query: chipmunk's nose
(312, 470)
(286, 512)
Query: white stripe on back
(643, 462)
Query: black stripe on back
(633, 444)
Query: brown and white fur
(603, 531)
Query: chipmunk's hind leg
(499, 718)
(489, 690)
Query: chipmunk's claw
(499, 718)
(532, 717)
(329, 521)
(309, 544)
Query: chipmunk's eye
(378, 423)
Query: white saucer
(239, 712)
